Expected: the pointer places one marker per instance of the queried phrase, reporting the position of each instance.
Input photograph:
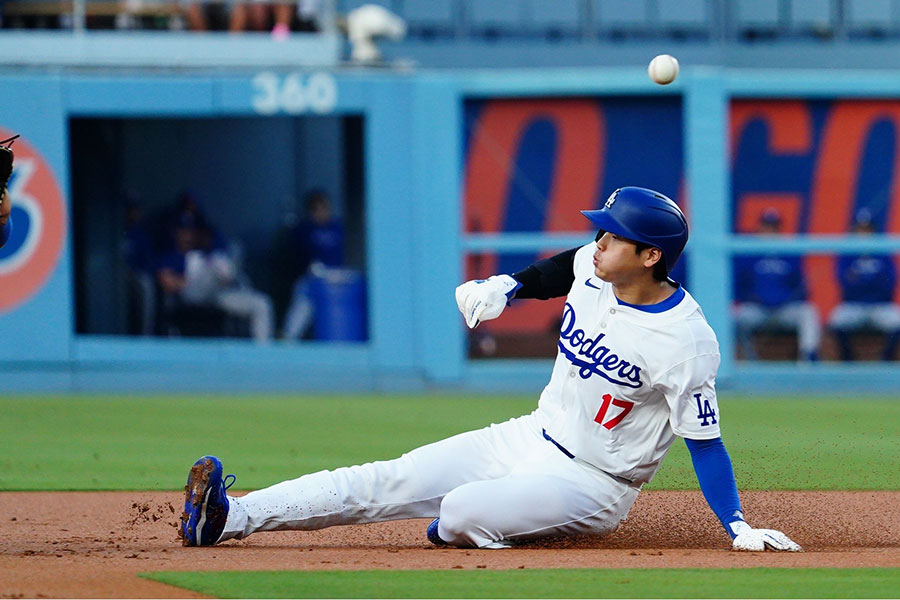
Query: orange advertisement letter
(490, 171)
(837, 170)
(790, 132)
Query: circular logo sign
(39, 226)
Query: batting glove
(484, 299)
(757, 540)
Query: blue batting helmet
(645, 216)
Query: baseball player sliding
(636, 367)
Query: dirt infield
(93, 544)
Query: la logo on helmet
(39, 226)
(612, 199)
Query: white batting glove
(484, 299)
(757, 540)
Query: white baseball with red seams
(625, 382)
(663, 69)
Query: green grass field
(545, 583)
(148, 442)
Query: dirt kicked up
(93, 544)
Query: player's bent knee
(460, 524)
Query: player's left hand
(484, 299)
(758, 540)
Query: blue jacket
(319, 243)
(867, 278)
(771, 280)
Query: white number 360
(294, 93)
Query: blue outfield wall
(404, 347)
(416, 238)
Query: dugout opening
(245, 185)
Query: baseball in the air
(663, 69)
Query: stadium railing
(737, 20)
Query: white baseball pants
(854, 315)
(490, 487)
(249, 303)
(802, 316)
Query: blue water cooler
(339, 296)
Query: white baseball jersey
(628, 379)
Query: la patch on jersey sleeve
(691, 395)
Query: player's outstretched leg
(205, 503)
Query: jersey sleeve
(690, 391)
(548, 278)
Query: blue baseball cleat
(432, 534)
(205, 503)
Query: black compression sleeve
(548, 278)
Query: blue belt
(557, 444)
(572, 456)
